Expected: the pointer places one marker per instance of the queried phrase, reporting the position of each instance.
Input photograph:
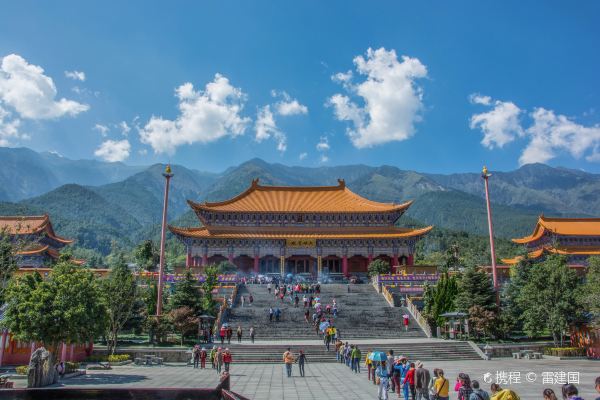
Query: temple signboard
(301, 242)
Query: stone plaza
(333, 380)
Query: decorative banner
(301, 242)
(412, 289)
(199, 277)
(408, 278)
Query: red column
(395, 264)
(256, 267)
(370, 258)
(3, 344)
(188, 260)
(230, 258)
(32, 349)
(205, 260)
(63, 353)
(411, 259)
(71, 352)
(345, 265)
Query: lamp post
(161, 268)
(485, 175)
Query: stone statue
(42, 371)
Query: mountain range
(97, 202)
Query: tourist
(465, 390)
(404, 367)
(504, 394)
(270, 314)
(306, 315)
(196, 355)
(296, 300)
(369, 364)
(356, 355)
(406, 321)
(250, 300)
(229, 334)
(219, 360)
(570, 392)
(227, 359)
(213, 357)
(327, 337)
(338, 345)
(422, 380)
(277, 314)
(478, 393)
(269, 287)
(288, 360)
(383, 375)
(203, 358)
(547, 393)
(239, 334)
(597, 385)
(441, 386)
(305, 301)
(252, 334)
(409, 382)
(301, 361)
(335, 310)
(390, 367)
(223, 333)
(243, 301)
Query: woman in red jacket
(410, 380)
(227, 359)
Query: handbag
(436, 394)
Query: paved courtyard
(329, 380)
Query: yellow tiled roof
(563, 226)
(298, 232)
(573, 250)
(28, 225)
(319, 199)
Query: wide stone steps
(363, 313)
(435, 351)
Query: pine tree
(439, 299)
(519, 276)
(590, 293)
(475, 288)
(186, 294)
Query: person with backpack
(441, 386)
(465, 390)
(213, 357)
(356, 355)
(196, 355)
(409, 382)
(422, 379)
(227, 358)
(239, 333)
(383, 376)
(478, 393)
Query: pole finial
(168, 169)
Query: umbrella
(204, 316)
(323, 326)
(378, 356)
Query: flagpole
(161, 269)
(486, 175)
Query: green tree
(211, 273)
(378, 267)
(440, 298)
(186, 294)
(8, 261)
(475, 288)
(590, 293)
(550, 298)
(119, 291)
(511, 294)
(147, 255)
(67, 307)
(184, 320)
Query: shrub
(71, 367)
(96, 358)
(565, 351)
(22, 369)
(116, 358)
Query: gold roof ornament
(168, 169)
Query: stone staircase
(362, 314)
(426, 351)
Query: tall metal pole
(485, 175)
(161, 269)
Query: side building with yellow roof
(299, 230)
(576, 238)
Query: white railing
(414, 311)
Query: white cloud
(9, 129)
(75, 75)
(103, 129)
(265, 127)
(548, 133)
(112, 150)
(392, 99)
(26, 89)
(324, 158)
(323, 144)
(287, 105)
(124, 127)
(552, 132)
(302, 156)
(205, 116)
(500, 125)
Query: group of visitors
(289, 359)
(243, 300)
(348, 354)
(219, 358)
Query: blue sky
(481, 82)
